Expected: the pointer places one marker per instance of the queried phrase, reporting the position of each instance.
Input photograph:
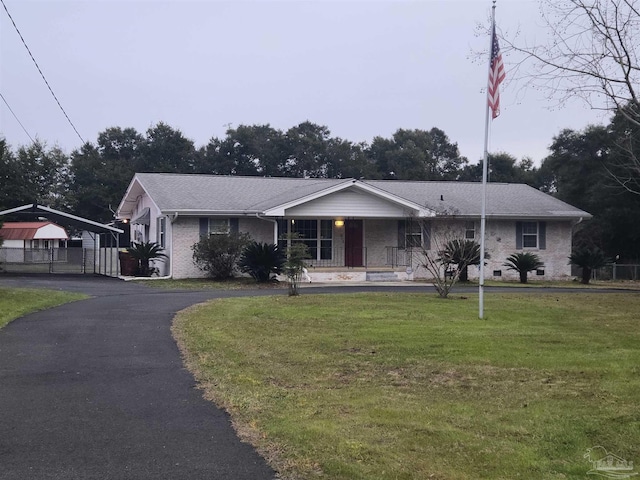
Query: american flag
(496, 76)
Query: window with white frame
(39, 244)
(470, 230)
(530, 234)
(161, 231)
(317, 235)
(412, 234)
(219, 226)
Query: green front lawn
(17, 302)
(409, 386)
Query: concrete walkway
(96, 389)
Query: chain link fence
(103, 261)
(618, 271)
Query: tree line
(95, 176)
(91, 181)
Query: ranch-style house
(355, 229)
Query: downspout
(275, 227)
(172, 219)
(573, 226)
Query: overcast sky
(362, 68)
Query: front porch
(355, 242)
(356, 249)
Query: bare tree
(592, 53)
(448, 254)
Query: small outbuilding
(36, 235)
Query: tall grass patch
(408, 386)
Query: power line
(41, 74)
(16, 117)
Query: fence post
(614, 272)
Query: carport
(93, 257)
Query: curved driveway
(96, 389)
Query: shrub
(217, 255)
(588, 259)
(261, 261)
(523, 263)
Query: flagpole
(483, 215)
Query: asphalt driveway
(96, 389)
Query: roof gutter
(523, 217)
(210, 213)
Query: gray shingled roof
(211, 193)
(225, 193)
(465, 198)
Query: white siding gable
(348, 203)
(51, 232)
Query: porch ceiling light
(339, 223)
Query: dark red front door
(353, 251)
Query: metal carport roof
(109, 265)
(62, 218)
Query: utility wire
(16, 117)
(41, 74)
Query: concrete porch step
(382, 277)
(353, 275)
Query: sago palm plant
(588, 259)
(143, 252)
(262, 261)
(462, 253)
(523, 263)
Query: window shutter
(542, 235)
(234, 226)
(204, 226)
(426, 235)
(401, 234)
(518, 235)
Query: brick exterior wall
(185, 232)
(501, 242)
(379, 234)
(382, 233)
